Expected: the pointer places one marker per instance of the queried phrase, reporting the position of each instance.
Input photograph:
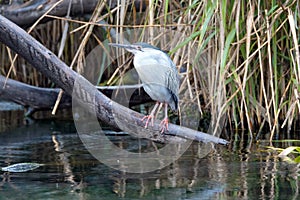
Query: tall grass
(241, 59)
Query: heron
(159, 77)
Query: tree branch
(34, 98)
(37, 98)
(27, 13)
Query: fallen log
(31, 97)
(26, 14)
(74, 84)
(36, 98)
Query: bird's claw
(164, 124)
(148, 117)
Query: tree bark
(27, 13)
(31, 97)
(36, 98)
(106, 110)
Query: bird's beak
(128, 47)
(120, 45)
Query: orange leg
(165, 122)
(151, 116)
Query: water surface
(71, 172)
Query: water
(71, 172)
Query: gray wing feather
(156, 68)
(172, 83)
(172, 78)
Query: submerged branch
(106, 110)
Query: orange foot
(148, 117)
(164, 125)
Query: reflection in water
(71, 172)
(11, 119)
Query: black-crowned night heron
(159, 76)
